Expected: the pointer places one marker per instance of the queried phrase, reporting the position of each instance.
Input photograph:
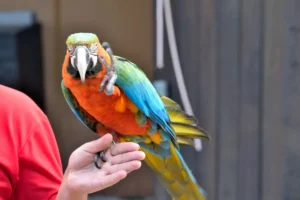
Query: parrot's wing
(137, 87)
(79, 112)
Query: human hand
(82, 177)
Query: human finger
(98, 145)
(128, 167)
(123, 148)
(126, 157)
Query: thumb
(98, 145)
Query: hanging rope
(161, 6)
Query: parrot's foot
(110, 77)
(101, 156)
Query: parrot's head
(81, 61)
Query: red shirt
(30, 165)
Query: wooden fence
(240, 60)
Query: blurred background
(239, 61)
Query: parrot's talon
(110, 77)
(100, 155)
(110, 85)
(97, 156)
(108, 92)
(105, 79)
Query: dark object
(101, 155)
(21, 60)
(96, 157)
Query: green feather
(82, 39)
(140, 118)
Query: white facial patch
(73, 61)
(94, 58)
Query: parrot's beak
(82, 60)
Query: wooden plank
(206, 82)
(185, 23)
(228, 93)
(185, 14)
(292, 108)
(250, 114)
(187, 30)
(272, 135)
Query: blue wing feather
(135, 84)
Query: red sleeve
(30, 165)
(40, 173)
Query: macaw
(109, 93)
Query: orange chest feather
(115, 112)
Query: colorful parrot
(109, 93)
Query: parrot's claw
(97, 156)
(101, 155)
(110, 77)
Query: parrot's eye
(93, 48)
(70, 49)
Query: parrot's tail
(185, 126)
(175, 176)
(172, 171)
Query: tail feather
(186, 141)
(171, 170)
(189, 131)
(185, 126)
(175, 176)
(169, 102)
(178, 116)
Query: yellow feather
(185, 141)
(189, 131)
(180, 117)
(170, 103)
(174, 176)
(132, 107)
(183, 124)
